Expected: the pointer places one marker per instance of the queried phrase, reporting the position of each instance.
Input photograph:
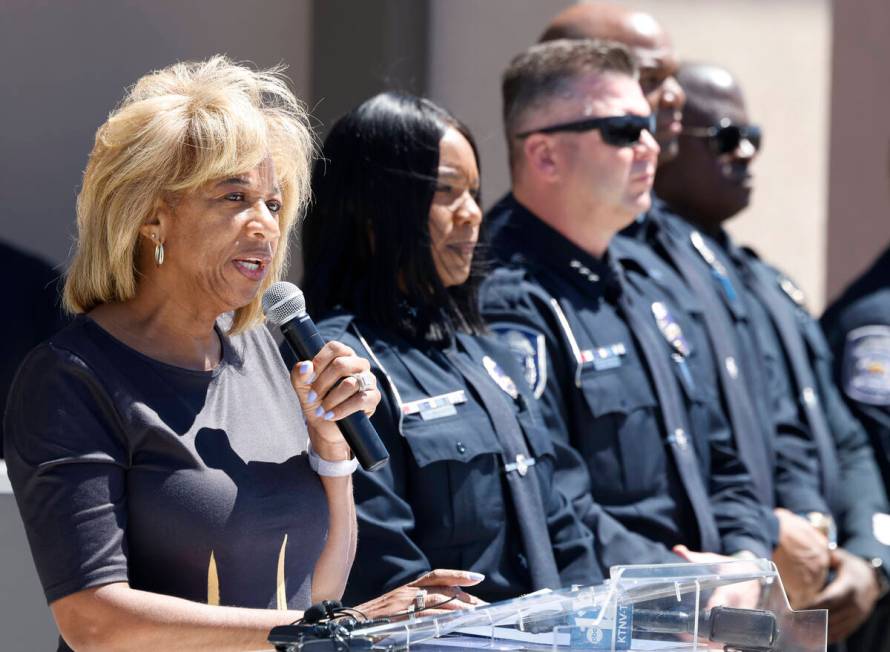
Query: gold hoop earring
(159, 254)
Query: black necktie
(673, 410)
(522, 481)
(742, 414)
(764, 284)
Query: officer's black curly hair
(366, 239)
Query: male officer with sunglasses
(612, 358)
(772, 441)
(716, 148)
(650, 46)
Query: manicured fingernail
(478, 577)
(312, 396)
(305, 367)
(329, 416)
(319, 411)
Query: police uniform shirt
(676, 244)
(597, 392)
(635, 254)
(786, 439)
(857, 326)
(857, 497)
(442, 500)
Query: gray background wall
(814, 72)
(65, 65)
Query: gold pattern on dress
(212, 582)
(280, 593)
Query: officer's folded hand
(436, 592)
(802, 558)
(850, 597)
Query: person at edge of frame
(392, 270)
(857, 327)
(36, 301)
(771, 439)
(610, 356)
(717, 146)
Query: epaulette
(786, 284)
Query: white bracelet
(331, 469)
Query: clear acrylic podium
(737, 607)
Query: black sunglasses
(725, 137)
(616, 130)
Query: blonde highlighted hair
(176, 130)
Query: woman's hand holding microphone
(331, 386)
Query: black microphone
(745, 630)
(742, 629)
(284, 305)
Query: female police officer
(390, 267)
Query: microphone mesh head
(282, 302)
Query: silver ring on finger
(365, 381)
(419, 600)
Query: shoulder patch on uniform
(530, 349)
(866, 368)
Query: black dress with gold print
(186, 483)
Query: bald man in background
(772, 441)
(708, 183)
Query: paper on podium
(737, 605)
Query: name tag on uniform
(604, 357)
(435, 407)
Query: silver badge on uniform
(866, 371)
(790, 288)
(705, 252)
(500, 377)
(530, 350)
(670, 329)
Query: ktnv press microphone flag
(285, 306)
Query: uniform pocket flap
(621, 391)
(457, 438)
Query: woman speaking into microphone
(156, 446)
(392, 270)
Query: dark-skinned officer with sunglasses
(773, 442)
(608, 352)
(716, 148)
